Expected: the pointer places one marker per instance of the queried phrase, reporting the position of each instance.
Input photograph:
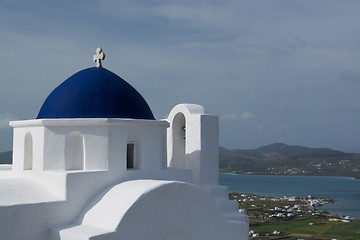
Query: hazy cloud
(289, 44)
(349, 76)
(237, 117)
(281, 59)
(5, 118)
(283, 127)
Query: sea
(345, 190)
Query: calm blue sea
(345, 190)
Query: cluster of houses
(303, 206)
(285, 208)
(346, 219)
(253, 234)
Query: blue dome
(95, 93)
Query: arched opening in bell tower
(179, 142)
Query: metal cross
(98, 57)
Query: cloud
(349, 76)
(274, 57)
(199, 15)
(5, 118)
(245, 116)
(283, 127)
(289, 44)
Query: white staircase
(229, 209)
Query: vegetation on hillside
(294, 218)
(282, 159)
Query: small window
(130, 156)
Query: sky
(273, 71)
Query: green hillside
(282, 159)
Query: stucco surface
(23, 191)
(160, 209)
(70, 180)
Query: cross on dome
(98, 57)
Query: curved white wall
(151, 209)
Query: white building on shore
(96, 164)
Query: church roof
(95, 93)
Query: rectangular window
(130, 155)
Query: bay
(346, 191)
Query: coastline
(296, 175)
(283, 217)
(302, 206)
(287, 175)
(344, 190)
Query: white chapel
(95, 164)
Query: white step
(83, 232)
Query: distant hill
(6, 157)
(282, 159)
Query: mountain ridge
(283, 159)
